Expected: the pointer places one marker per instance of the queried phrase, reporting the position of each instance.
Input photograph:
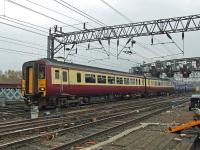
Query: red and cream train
(50, 82)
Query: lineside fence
(10, 92)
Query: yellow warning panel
(30, 83)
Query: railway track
(102, 131)
(10, 128)
(68, 126)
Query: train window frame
(78, 78)
(126, 81)
(41, 71)
(90, 78)
(64, 76)
(132, 81)
(111, 80)
(101, 79)
(57, 74)
(119, 80)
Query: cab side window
(57, 74)
(41, 71)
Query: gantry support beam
(145, 28)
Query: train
(48, 82)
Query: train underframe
(73, 100)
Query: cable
(117, 11)
(41, 13)
(22, 29)
(143, 46)
(23, 24)
(13, 50)
(128, 19)
(113, 54)
(27, 23)
(52, 10)
(82, 56)
(23, 45)
(80, 12)
(88, 16)
(27, 42)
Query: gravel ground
(155, 137)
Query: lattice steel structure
(10, 92)
(186, 67)
(145, 28)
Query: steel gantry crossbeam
(145, 28)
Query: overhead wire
(83, 56)
(21, 41)
(23, 24)
(69, 6)
(96, 60)
(27, 23)
(42, 14)
(110, 54)
(128, 19)
(14, 26)
(80, 12)
(18, 51)
(55, 11)
(117, 11)
(22, 45)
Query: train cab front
(33, 82)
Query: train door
(30, 77)
(29, 80)
(64, 80)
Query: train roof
(85, 67)
(89, 68)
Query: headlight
(42, 89)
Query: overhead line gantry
(131, 30)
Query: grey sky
(136, 10)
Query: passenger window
(41, 71)
(64, 76)
(56, 74)
(101, 79)
(136, 81)
(139, 81)
(78, 77)
(119, 80)
(126, 80)
(132, 81)
(90, 78)
(111, 80)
